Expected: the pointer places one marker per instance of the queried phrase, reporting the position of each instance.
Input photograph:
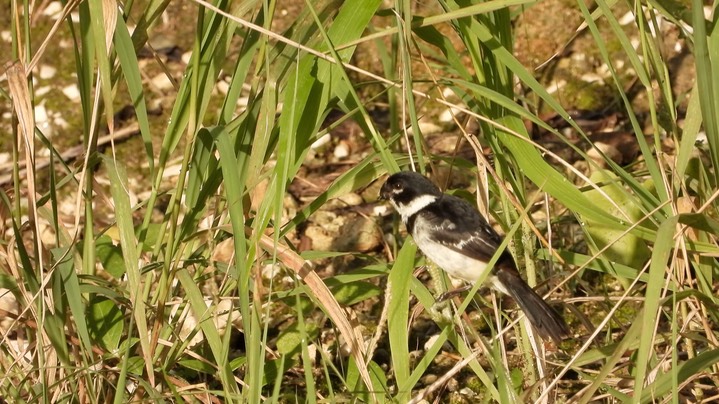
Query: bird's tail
(547, 322)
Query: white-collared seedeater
(452, 233)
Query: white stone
(591, 77)
(186, 57)
(59, 121)
(47, 72)
(269, 271)
(223, 87)
(428, 128)
(380, 210)
(555, 86)
(161, 82)
(430, 342)
(627, 18)
(351, 199)
(342, 151)
(41, 91)
(72, 92)
(53, 9)
(322, 141)
(40, 113)
(449, 114)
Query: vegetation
(193, 284)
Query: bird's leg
(452, 293)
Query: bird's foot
(452, 293)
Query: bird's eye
(397, 185)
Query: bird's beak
(384, 192)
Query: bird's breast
(449, 259)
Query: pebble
(358, 234)
(351, 199)
(269, 271)
(53, 9)
(223, 87)
(342, 151)
(555, 86)
(467, 392)
(186, 57)
(47, 72)
(430, 342)
(59, 121)
(161, 82)
(591, 77)
(72, 92)
(429, 128)
(42, 120)
(608, 150)
(322, 141)
(426, 380)
(627, 18)
(449, 114)
(41, 91)
(604, 71)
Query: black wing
(457, 224)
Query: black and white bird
(452, 233)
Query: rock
(323, 229)
(161, 82)
(223, 87)
(342, 151)
(351, 199)
(72, 92)
(9, 304)
(358, 234)
(224, 251)
(42, 120)
(53, 9)
(349, 232)
(47, 72)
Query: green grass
(139, 283)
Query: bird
(454, 235)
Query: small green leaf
(628, 249)
(110, 256)
(377, 375)
(289, 341)
(105, 323)
(355, 292)
(197, 365)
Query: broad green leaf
(110, 256)
(105, 322)
(628, 249)
(289, 342)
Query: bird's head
(408, 192)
